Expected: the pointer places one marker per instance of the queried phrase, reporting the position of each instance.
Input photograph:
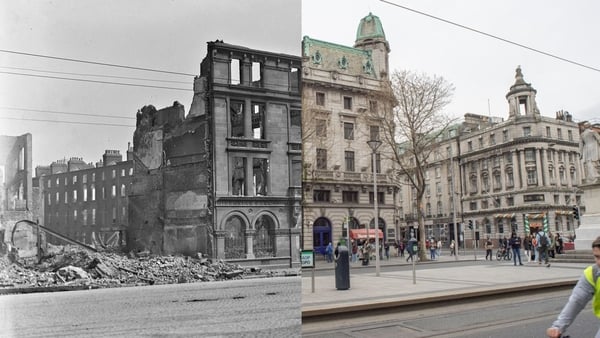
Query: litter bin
(342, 269)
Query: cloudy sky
(482, 68)
(82, 119)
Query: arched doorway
(321, 234)
(235, 243)
(264, 237)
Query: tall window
(321, 127)
(258, 121)
(374, 133)
(349, 157)
(347, 103)
(559, 133)
(234, 72)
(85, 193)
(348, 131)
(529, 155)
(260, 168)
(531, 176)
(526, 131)
(320, 98)
(322, 159)
(236, 117)
(505, 136)
(373, 106)
(238, 176)
(123, 193)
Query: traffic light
(575, 212)
(471, 224)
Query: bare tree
(412, 129)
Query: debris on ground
(75, 266)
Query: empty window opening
(236, 113)
(258, 121)
(256, 74)
(238, 177)
(260, 169)
(523, 105)
(234, 72)
(294, 79)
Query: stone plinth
(589, 229)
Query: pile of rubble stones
(74, 266)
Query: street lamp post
(374, 144)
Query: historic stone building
(225, 179)
(343, 89)
(87, 202)
(506, 173)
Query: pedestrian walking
(488, 249)
(433, 249)
(515, 244)
(582, 293)
(439, 247)
(559, 244)
(543, 242)
(527, 247)
(386, 246)
(452, 248)
(329, 253)
(534, 246)
(354, 251)
(401, 247)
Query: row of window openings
(235, 71)
(74, 198)
(510, 201)
(85, 217)
(532, 178)
(529, 159)
(347, 196)
(321, 130)
(349, 160)
(320, 101)
(93, 177)
(526, 133)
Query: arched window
(264, 237)
(235, 243)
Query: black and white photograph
(150, 162)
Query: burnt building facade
(16, 183)
(225, 180)
(87, 202)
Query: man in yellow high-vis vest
(587, 288)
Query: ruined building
(16, 183)
(86, 202)
(225, 179)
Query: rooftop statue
(589, 150)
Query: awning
(362, 233)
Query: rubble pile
(74, 266)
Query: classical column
(521, 169)
(250, 243)
(544, 165)
(516, 169)
(538, 162)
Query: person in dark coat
(515, 244)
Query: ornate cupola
(521, 98)
(370, 36)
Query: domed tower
(521, 98)
(370, 36)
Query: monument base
(589, 229)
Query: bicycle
(504, 253)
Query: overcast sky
(172, 36)
(163, 35)
(482, 68)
